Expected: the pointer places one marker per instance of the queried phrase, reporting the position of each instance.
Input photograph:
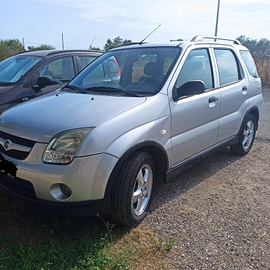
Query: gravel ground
(219, 210)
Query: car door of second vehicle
(194, 117)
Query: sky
(83, 23)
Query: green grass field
(36, 240)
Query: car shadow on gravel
(199, 172)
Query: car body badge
(7, 144)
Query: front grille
(18, 186)
(21, 155)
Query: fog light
(61, 192)
(66, 190)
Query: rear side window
(249, 63)
(86, 60)
(228, 67)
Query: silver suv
(99, 144)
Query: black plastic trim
(65, 209)
(185, 165)
(144, 146)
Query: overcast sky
(85, 22)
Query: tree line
(11, 47)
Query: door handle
(212, 99)
(244, 88)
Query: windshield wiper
(73, 87)
(111, 89)
(5, 83)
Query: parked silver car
(99, 144)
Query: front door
(194, 117)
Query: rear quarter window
(249, 62)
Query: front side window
(197, 67)
(137, 71)
(13, 68)
(249, 62)
(228, 67)
(61, 70)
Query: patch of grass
(143, 249)
(31, 239)
(160, 244)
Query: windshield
(13, 68)
(133, 71)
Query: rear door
(234, 90)
(194, 117)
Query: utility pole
(23, 43)
(217, 18)
(63, 47)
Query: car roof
(183, 44)
(53, 52)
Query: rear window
(249, 63)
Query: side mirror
(191, 88)
(45, 81)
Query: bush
(10, 47)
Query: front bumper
(22, 191)
(86, 176)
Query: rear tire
(131, 194)
(246, 137)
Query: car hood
(42, 118)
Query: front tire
(246, 137)
(131, 194)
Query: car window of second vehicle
(13, 68)
(85, 60)
(61, 70)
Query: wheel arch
(252, 111)
(157, 152)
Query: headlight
(62, 148)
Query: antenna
(150, 34)
(90, 47)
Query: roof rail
(201, 38)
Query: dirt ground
(218, 211)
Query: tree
(95, 49)
(41, 47)
(116, 42)
(10, 47)
(179, 39)
(259, 49)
